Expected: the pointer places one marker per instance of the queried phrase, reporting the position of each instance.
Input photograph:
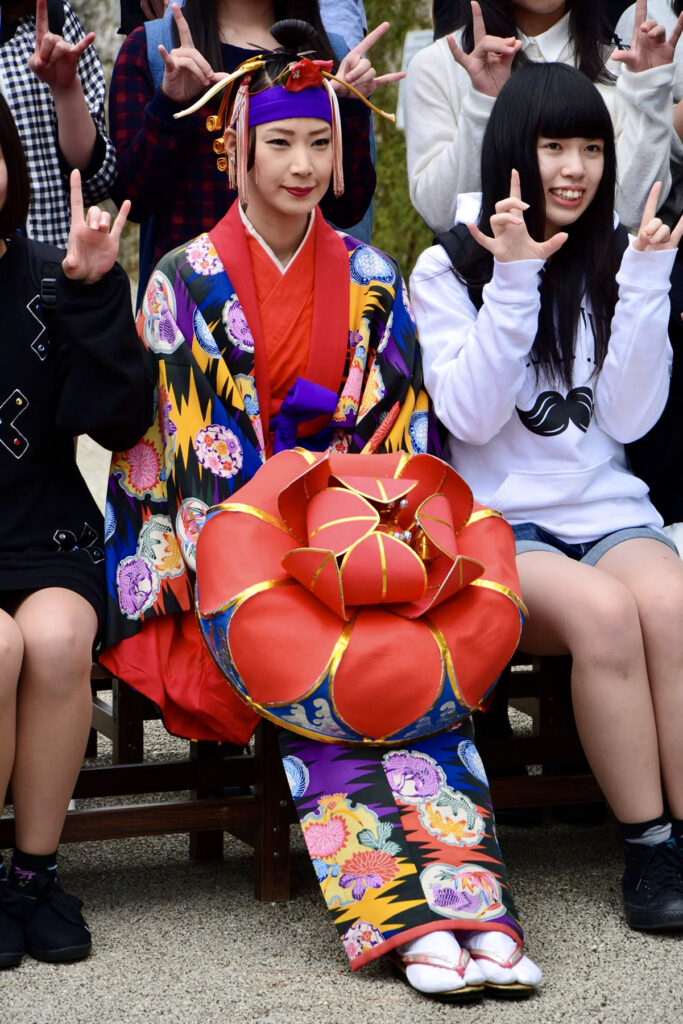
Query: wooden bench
(259, 814)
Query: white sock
(501, 946)
(442, 944)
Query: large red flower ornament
(358, 598)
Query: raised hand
(653, 234)
(54, 60)
(186, 71)
(358, 71)
(511, 241)
(650, 47)
(490, 62)
(92, 247)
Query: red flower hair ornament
(358, 598)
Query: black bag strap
(44, 265)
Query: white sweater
(663, 14)
(446, 117)
(556, 460)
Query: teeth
(568, 193)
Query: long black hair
(202, 18)
(589, 31)
(14, 210)
(555, 101)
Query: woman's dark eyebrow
(290, 131)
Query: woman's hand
(91, 249)
(186, 71)
(511, 241)
(650, 47)
(358, 71)
(54, 60)
(653, 234)
(490, 62)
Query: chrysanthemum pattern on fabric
(402, 841)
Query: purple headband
(278, 103)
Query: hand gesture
(358, 71)
(186, 71)
(652, 233)
(54, 60)
(153, 8)
(511, 241)
(490, 62)
(649, 46)
(91, 249)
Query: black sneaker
(11, 928)
(54, 929)
(653, 886)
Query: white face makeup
(292, 169)
(571, 171)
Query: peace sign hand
(653, 234)
(490, 62)
(511, 241)
(649, 46)
(358, 71)
(186, 71)
(54, 60)
(92, 248)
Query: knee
(58, 657)
(609, 635)
(11, 656)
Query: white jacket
(557, 459)
(445, 119)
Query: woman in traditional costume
(273, 331)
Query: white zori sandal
(436, 965)
(507, 972)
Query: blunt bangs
(571, 107)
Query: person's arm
(475, 363)
(147, 137)
(104, 389)
(643, 109)
(72, 71)
(633, 384)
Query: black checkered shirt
(34, 112)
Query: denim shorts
(530, 537)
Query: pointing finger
(515, 186)
(76, 197)
(120, 221)
(478, 26)
(184, 33)
(651, 204)
(369, 41)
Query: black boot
(653, 886)
(54, 929)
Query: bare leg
(11, 654)
(53, 712)
(654, 575)
(585, 611)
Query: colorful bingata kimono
(324, 355)
(402, 840)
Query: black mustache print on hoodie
(551, 413)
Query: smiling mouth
(299, 191)
(571, 195)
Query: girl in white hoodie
(545, 351)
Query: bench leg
(207, 845)
(129, 736)
(271, 861)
